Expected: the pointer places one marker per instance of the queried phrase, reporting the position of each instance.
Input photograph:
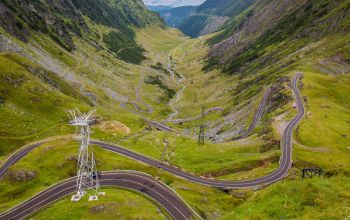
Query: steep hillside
(229, 8)
(158, 8)
(211, 15)
(273, 39)
(175, 16)
(173, 3)
(154, 88)
(57, 55)
(62, 20)
(258, 37)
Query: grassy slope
(311, 199)
(148, 143)
(209, 202)
(62, 153)
(32, 108)
(117, 204)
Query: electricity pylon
(87, 176)
(201, 136)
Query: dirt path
(189, 119)
(179, 94)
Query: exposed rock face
(272, 22)
(11, 24)
(212, 15)
(63, 19)
(216, 23)
(17, 15)
(6, 45)
(22, 175)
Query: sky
(173, 3)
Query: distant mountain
(158, 8)
(211, 15)
(174, 17)
(199, 20)
(173, 3)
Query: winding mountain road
(278, 174)
(134, 181)
(206, 113)
(257, 116)
(139, 99)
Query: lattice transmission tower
(201, 136)
(87, 176)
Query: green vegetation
(117, 204)
(299, 26)
(194, 24)
(175, 16)
(211, 15)
(44, 79)
(318, 198)
(67, 22)
(156, 80)
(116, 43)
(159, 66)
(229, 8)
(33, 102)
(61, 156)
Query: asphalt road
(138, 182)
(278, 174)
(257, 116)
(182, 120)
(16, 157)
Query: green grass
(60, 155)
(34, 102)
(117, 204)
(317, 198)
(246, 159)
(327, 121)
(211, 158)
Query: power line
(201, 136)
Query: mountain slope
(63, 19)
(271, 40)
(211, 15)
(57, 55)
(224, 7)
(246, 39)
(173, 3)
(44, 72)
(175, 16)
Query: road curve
(206, 113)
(17, 156)
(257, 116)
(278, 174)
(138, 182)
